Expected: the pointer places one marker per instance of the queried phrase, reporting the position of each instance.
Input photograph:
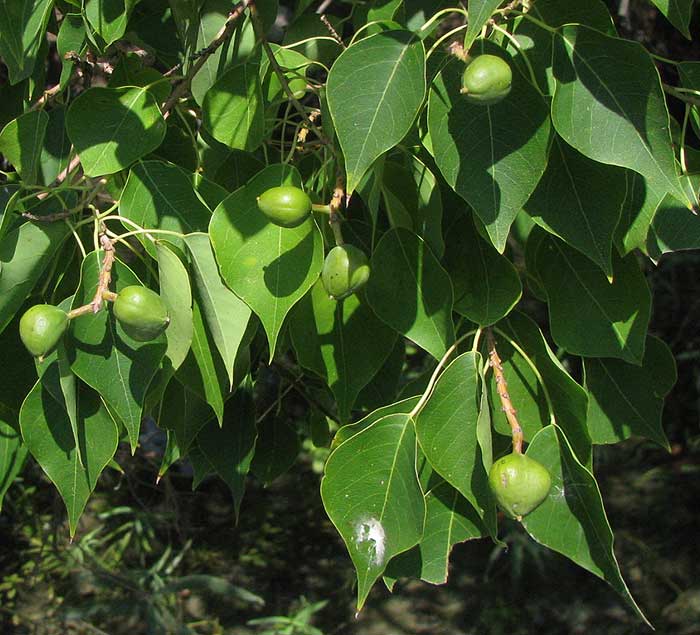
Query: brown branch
(335, 218)
(202, 56)
(332, 31)
(47, 218)
(502, 388)
(105, 273)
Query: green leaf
(412, 199)
(678, 12)
(389, 68)
(385, 384)
(449, 519)
(162, 196)
(118, 368)
(674, 228)
(21, 142)
(550, 384)
(233, 110)
(492, 156)
(230, 448)
(579, 200)
(225, 314)
(276, 449)
(609, 105)
(404, 406)
(269, 267)
(446, 430)
(203, 370)
(22, 25)
(113, 127)
(55, 152)
(486, 284)
(109, 17)
(24, 255)
(71, 37)
(12, 455)
(176, 293)
(638, 210)
(47, 433)
(371, 493)
(590, 316)
(624, 399)
(329, 339)
(183, 413)
(572, 520)
(479, 13)
(411, 292)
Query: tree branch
(502, 388)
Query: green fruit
(486, 80)
(519, 483)
(298, 87)
(345, 270)
(141, 313)
(41, 327)
(285, 205)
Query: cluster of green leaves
(170, 119)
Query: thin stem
(433, 378)
(334, 218)
(319, 207)
(443, 38)
(224, 34)
(665, 60)
(442, 12)
(516, 44)
(279, 72)
(681, 150)
(688, 95)
(502, 388)
(73, 230)
(539, 23)
(148, 233)
(105, 273)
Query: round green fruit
(519, 483)
(345, 270)
(285, 205)
(141, 313)
(298, 87)
(486, 80)
(41, 327)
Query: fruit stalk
(502, 389)
(336, 203)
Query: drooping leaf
(276, 449)
(580, 200)
(71, 37)
(624, 399)
(13, 453)
(411, 292)
(230, 448)
(177, 294)
(119, 368)
(678, 12)
(268, 266)
(372, 495)
(23, 25)
(572, 520)
(674, 228)
(47, 433)
(446, 430)
(390, 68)
(113, 127)
(412, 199)
(162, 196)
(109, 17)
(225, 314)
(486, 285)
(609, 104)
(328, 338)
(25, 253)
(21, 142)
(203, 370)
(384, 386)
(590, 316)
(449, 519)
(55, 152)
(233, 110)
(638, 211)
(492, 156)
(479, 13)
